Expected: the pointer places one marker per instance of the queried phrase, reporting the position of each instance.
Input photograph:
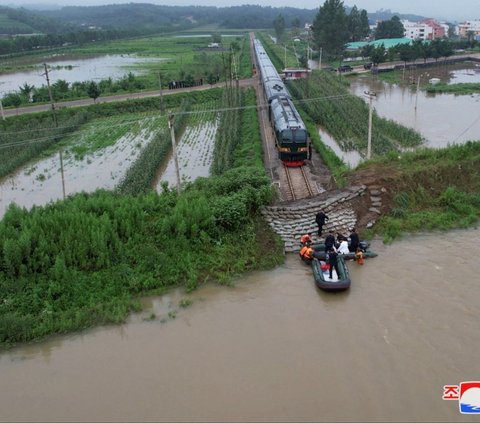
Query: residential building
(469, 27)
(427, 29)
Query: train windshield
(289, 136)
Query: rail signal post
(371, 95)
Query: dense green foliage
(392, 28)
(151, 16)
(325, 98)
(435, 190)
(333, 28)
(459, 89)
(80, 262)
(22, 21)
(330, 28)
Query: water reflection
(442, 119)
(97, 68)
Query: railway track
(298, 184)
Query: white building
(469, 27)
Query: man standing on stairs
(320, 218)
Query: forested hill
(136, 15)
(23, 21)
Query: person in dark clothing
(333, 262)
(354, 241)
(320, 219)
(329, 242)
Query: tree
(364, 24)
(296, 26)
(93, 91)
(12, 99)
(279, 26)
(26, 91)
(405, 52)
(330, 30)
(390, 29)
(216, 38)
(378, 54)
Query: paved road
(122, 97)
(243, 83)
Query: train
(291, 136)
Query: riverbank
(430, 189)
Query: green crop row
(141, 175)
(228, 133)
(325, 98)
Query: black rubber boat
(321, 275)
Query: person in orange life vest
(307, 238)
(306, 253)
(359, 256)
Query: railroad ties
(297, 184)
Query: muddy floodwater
(442, 119)
(273, 348)
(96, 68)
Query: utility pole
(320, 59)
(56, 125)
(285, 67)
(416, 94)
(1, 109)
(61, 170)
(50, 95)
(174, 150)
(371, 95)
(161, 92)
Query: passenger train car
(291, 137)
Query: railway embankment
(346, 208)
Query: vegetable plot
(325, 98)
(95, 157)
(195, 148)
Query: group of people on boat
(333, 247)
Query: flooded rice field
(86, 168)
(194, 153)
(273, 348)
(72, 70)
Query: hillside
(22, 21)
(124, 16)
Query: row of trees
(419, 49)
(333, 28)
(63, 90)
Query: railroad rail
(298, 184)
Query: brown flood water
(274, 348)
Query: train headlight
(303, 149)
(284, 149)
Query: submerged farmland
(194, 149)
(96, 156)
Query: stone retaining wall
(291, 221)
